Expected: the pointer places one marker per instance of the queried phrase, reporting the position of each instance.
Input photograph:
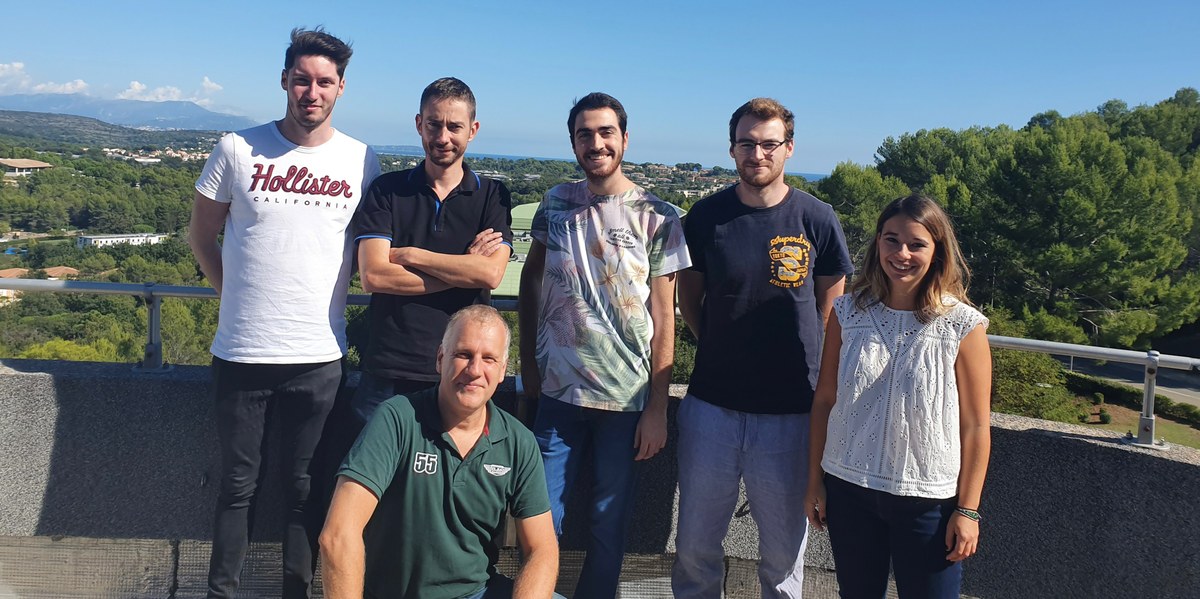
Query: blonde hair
(948, 274)
(479, 313)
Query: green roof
(522, 216)
(511, 284)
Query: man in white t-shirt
(284, 193)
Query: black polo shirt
(402, 208)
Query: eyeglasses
(769, 146)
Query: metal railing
(152, 360)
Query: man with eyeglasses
(767, 262)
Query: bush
(1105, 417)
(1027, 383)
(1097, 399)
(1131, 398)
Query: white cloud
(14, 80)
(139, 91)
(210, 86)
(77, 86)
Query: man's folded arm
(381, 275)
(472, 270)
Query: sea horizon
(417, 151)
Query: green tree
(858, 194)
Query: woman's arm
(973, 369)
(823, 399)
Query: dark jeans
(248, 396)
(868, 529)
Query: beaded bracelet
(972, 514)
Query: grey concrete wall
(109, 476)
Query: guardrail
(153, 294)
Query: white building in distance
(130, 238)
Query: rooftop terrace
(110, 484)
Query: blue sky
(854, 72)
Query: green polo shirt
(433, 534)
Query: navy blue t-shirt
(401, 206)
(760, 330)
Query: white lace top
(894, 426)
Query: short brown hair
(448, 88)
(765, 109)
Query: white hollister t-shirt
(285, 256)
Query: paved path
(1177, 385)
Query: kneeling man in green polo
(421, 497)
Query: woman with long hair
(900, 422)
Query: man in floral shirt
(597, 316)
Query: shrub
(1105, 417)
(1098, 399)
(1027, 383)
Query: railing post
(152, 360)
(1145, 436)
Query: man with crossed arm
(431, 240)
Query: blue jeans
(373, 390)
(769, 453)
(499, 587)
(564, 433)
(868, 529)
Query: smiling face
(756, 166)
(906, 251)
(599, 143)
(471, 363)
(446, 127)
(313, 87)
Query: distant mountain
(130, 113)
(72, 130)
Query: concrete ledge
(109, 484)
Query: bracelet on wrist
(966, 513)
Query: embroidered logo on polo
(789, 261)
(496, 469)
(425, 463)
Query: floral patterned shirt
(594, 326)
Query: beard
(601, 171)
(442, 158)
(753, 177)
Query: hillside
(34, 129)
(139, 114)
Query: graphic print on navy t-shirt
(298, 180)
(789, 261)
